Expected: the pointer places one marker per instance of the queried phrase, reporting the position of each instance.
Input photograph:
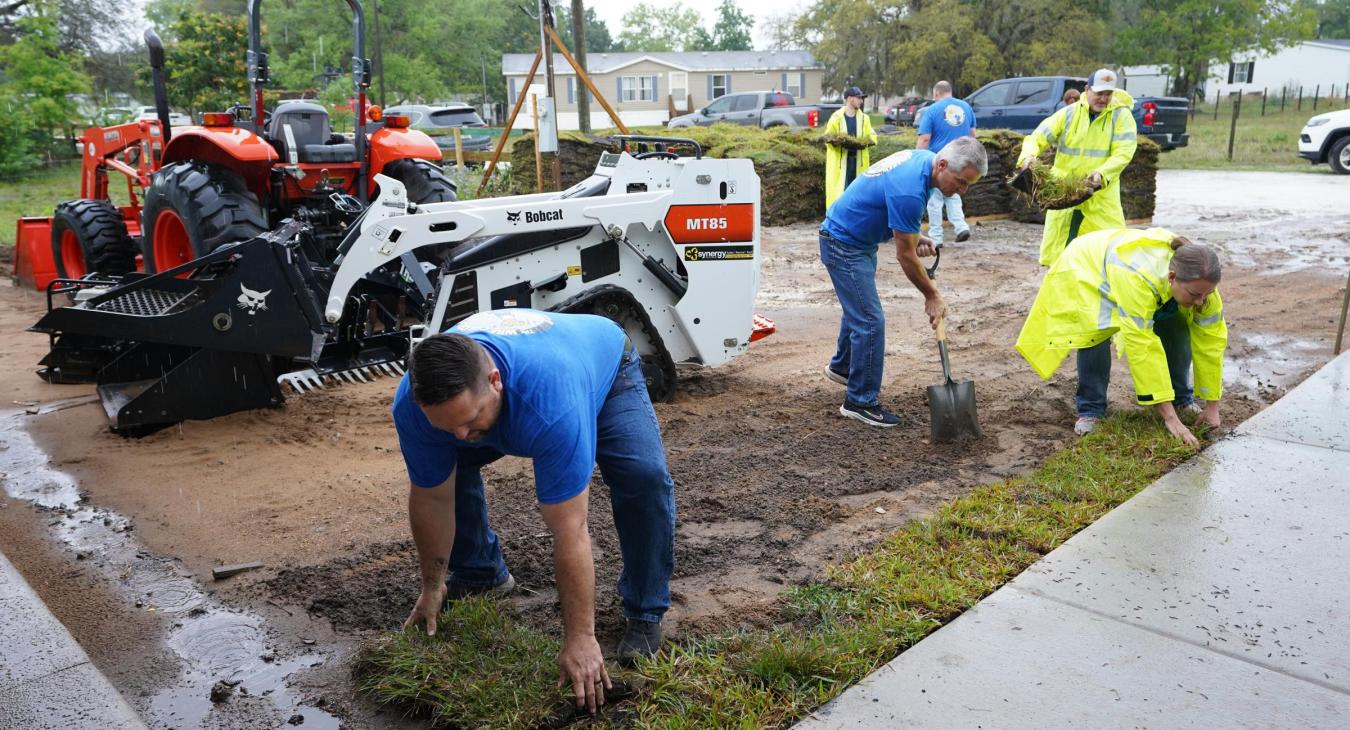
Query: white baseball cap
(1103, 79)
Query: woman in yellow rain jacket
(836, 156)
(1155, 293)
(1093, 137)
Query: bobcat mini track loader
(668, 246)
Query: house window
(1241, 73)
(721, 84)
(637, 88)
(794, 85)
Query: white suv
(1326, 138)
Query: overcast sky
(762, 10)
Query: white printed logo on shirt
(890, 163)
(506, 322)
(954, 115)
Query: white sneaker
(1086, 425)
(1192, 408)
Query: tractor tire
(90, 236)
(426, 183)
(193, 208)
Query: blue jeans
(936, 202)
(1094, 368)
(862, 331)
(632, 461)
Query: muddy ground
(772, 484)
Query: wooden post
(1299, 107)
(586, 79)
(538, 156)
(1340, 330)
(1263, 101)
(459, 148)
(510, 123)
(1317, 95)
(1232, 129)
(1284, 93)
(1217, 96)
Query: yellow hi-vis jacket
(836, 157)
(1084, 146)
(1111, 283)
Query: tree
(1188, 36)
(731, 32)
(671, 28)
(205, 62)
(82, 25)
(598, 39)
(40, 78)
(1333, 19)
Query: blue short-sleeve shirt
(945, 121)
(557, 370)
(891, 195)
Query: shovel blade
(952, 407)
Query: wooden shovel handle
(942, 328)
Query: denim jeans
(1094, 368)
(936, 201)
(632, 461)
(862, 331)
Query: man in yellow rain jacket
(1155, 293)
(844, 164)
(1093, 137)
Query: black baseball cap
(854, 91)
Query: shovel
(952, 404)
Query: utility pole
(579, 52)
(482, 61)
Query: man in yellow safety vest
(1093, 137)
(845, 162)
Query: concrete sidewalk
(46, 680)
(1218, 597)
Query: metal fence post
(1217, 96)
(1263, 101)
(1317, 95)
(1232, 129)
(1299, 108)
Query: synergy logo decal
(711, 223)
(719, 253)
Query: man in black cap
(848, 134)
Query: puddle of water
(1270, 363)
(213, 643)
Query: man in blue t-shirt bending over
(567, 391)
(887, 202)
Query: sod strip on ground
(481, 670)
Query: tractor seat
(305, 125)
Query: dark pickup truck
(758, 109)
(1020, 104)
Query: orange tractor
(241, 173)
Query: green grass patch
(485, 672)
(35, 194)
(1267, 142)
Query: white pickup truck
(1326, 138)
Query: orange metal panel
(711, 223)
(387, 145)
(33, 264)
(236, 144)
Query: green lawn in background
(35, 194)
(1267, 142)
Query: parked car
(176, 119)
(1020, 104)
(757, 109)
(437, 121)
(901, 113)
(1326, 138)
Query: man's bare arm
(908, 246)
(431, 515)
(581, 661)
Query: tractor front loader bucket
(163, 348)
(33, 264)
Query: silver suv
(439, 120)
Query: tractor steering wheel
(657, 155)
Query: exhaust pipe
(157, 71)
